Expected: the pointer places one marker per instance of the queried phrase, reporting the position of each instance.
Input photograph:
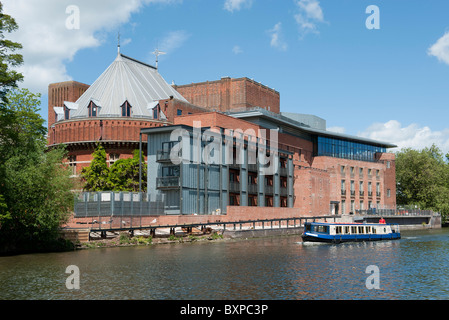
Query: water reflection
(272, 268)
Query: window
(338, 148)
(170, 171)
(252, 201)
(66, 113)
(93, 109)
(179, 112)
(388, 164)
(126, 109)
(388, 193)
(343, 187)
(322, 229)
(72, 164)
(234, 199)
(113, 157)
(343, 205)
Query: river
(414, 267)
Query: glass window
(347, 149)
(93, 109)
(126, 109)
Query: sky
(378, 72)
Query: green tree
(96, 175)
(8, 56)
(35, 187)
(124, 174)
(422, 179)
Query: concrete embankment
(259, 233)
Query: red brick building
(231, 94)
(331, 173)
(128, 96)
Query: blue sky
(390, 84)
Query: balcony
(167, 183)
(234, 186)
(252, 167)
(252, 188)
(284, 191)
(352, 193)
(283, 171)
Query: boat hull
(311, 237)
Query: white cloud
(47, 42)
(411, 136)
(173, 40)
(309, 14)
(237, 50)
(276, 37)
(440, 49)
(232, 5)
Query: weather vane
(118, 42)
(157, 53)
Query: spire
(118, 42)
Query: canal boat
(345, 232)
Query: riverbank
(142, 238)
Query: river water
(414, 267)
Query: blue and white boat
(345, 232)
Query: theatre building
(215, 146)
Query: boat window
(347, 230)
(353, 229)
(360, 229)
(322, 229)
(338, 230)
(368, 229)
(374, 230)
(308, 227)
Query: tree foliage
(8, 56)
(35, 187)
(123, 175)
(422, 178)
(95, 176)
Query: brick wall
(60, 92)
(227, 94)
(117, 129)
(386, 178)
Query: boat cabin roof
(348, 224)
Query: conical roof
(126, 79)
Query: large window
(347, 149)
